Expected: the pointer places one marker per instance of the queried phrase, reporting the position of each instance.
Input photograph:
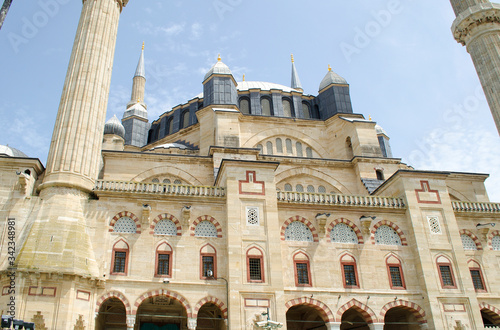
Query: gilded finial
(218, 58)
(243, 77)
(369, 117)
(143, 45)
(329, 68)
(292, 59)
(138, 100)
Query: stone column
(333, 326)
(376, 326)
(192, 323)
(477, 27)
(130, 322)
(75, 149)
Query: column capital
(476, 20)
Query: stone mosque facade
(251, 206)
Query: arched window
(279, 146)
(446, 273)
(298, 146)
(261, 148)
(349, 271)
(386, 235)
(380, 174)
(495, 243)
(125, 225)
(255, 266)
(468, 243)
(265, 103)
(322, 190)
(177, 181)
(289, 146)
(477, 276)
(167, 181)
(245, 106)
(269, 146)
(342, 233)
(288, 187)
(287, 108)
(299, 188)
(171, 125)
(163, 260)
(306, 110)
(298, 232)
(185, 119)
(119, 258)
(208, 262)
(309, 152)
(302, 269)
(395, 271)
(166, 227)
(310, 189)
(155, 180)
(205, 229)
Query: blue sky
(404, 68)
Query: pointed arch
(315, 174)
(117, 217)
(114, 294)
(476, 240)
(168, 216)
(490, 238)
(161, 292)
(491, 311)
(349, 223)
(167, 170)
(364, 310)
(304, 221)
(398, 230)
(412, 307)
(216, 301)
(323, 309)
(206, 218)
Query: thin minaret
(295, 77)
(477, 27)
(139, 81)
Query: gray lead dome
(331, 78)
(11, 152)
(114, 126)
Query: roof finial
(243, 77)
(369, 117)
(292, 59)
(329, 68)
(143, 45)
(218, 58)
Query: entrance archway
(400, 318)
(210, 317)
(353, 319)
(302, 317)
(163, 312)
(490, 318)
(112, 315)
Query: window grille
(207, 266)
(396, 279)
(386, 235)
(477, 280)
(299, 232)
(299, 188)
(288, 143)
(495, 243)
(310, 189)
(468, 243)
(350, 275)
(298, 146)
(288, 187)
(321, 190)
(342, 233)
(252, 216)
(125, 225)
(434, 225)
(279, 146)
(244, 106)
(269, 146)
(446, 276)
(163, 264)
(205, 229)
(302, 273)
(166, 227)
(254, 269)
(120, 261)
(287, 108)
(266, 106)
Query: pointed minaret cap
(331, 78)
(295, 77)
(141, 71)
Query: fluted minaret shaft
(477, 27)
(76, 142)
(139, 82)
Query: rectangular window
(446, 276)
(302, 273)
(255, 269)
(163, 267)
(120, 262)
(477, 279)
(396, 277)
(208, 270)
(350, 276)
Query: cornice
(475, 21)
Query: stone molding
(475, 21)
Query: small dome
(136, 110)
(11, 152)
(331, 78)
(218, 68)
(114, 126)
(380, 130)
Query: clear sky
(404, 68)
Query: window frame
(356, 277)
(401, 275)
(261, 262)
(214, 262)
(481, 278)
(307, 264)
(244, 98)
(113, 260)
(157, 264)
(452, 275)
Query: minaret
(58, 240)
(295, 78)
(477, 27)
(135, 118)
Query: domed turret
(11, 152)
(219, 86)
(218, 68)
(383, 140)
(114, 126)
(331, 78)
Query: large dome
(11, 152)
